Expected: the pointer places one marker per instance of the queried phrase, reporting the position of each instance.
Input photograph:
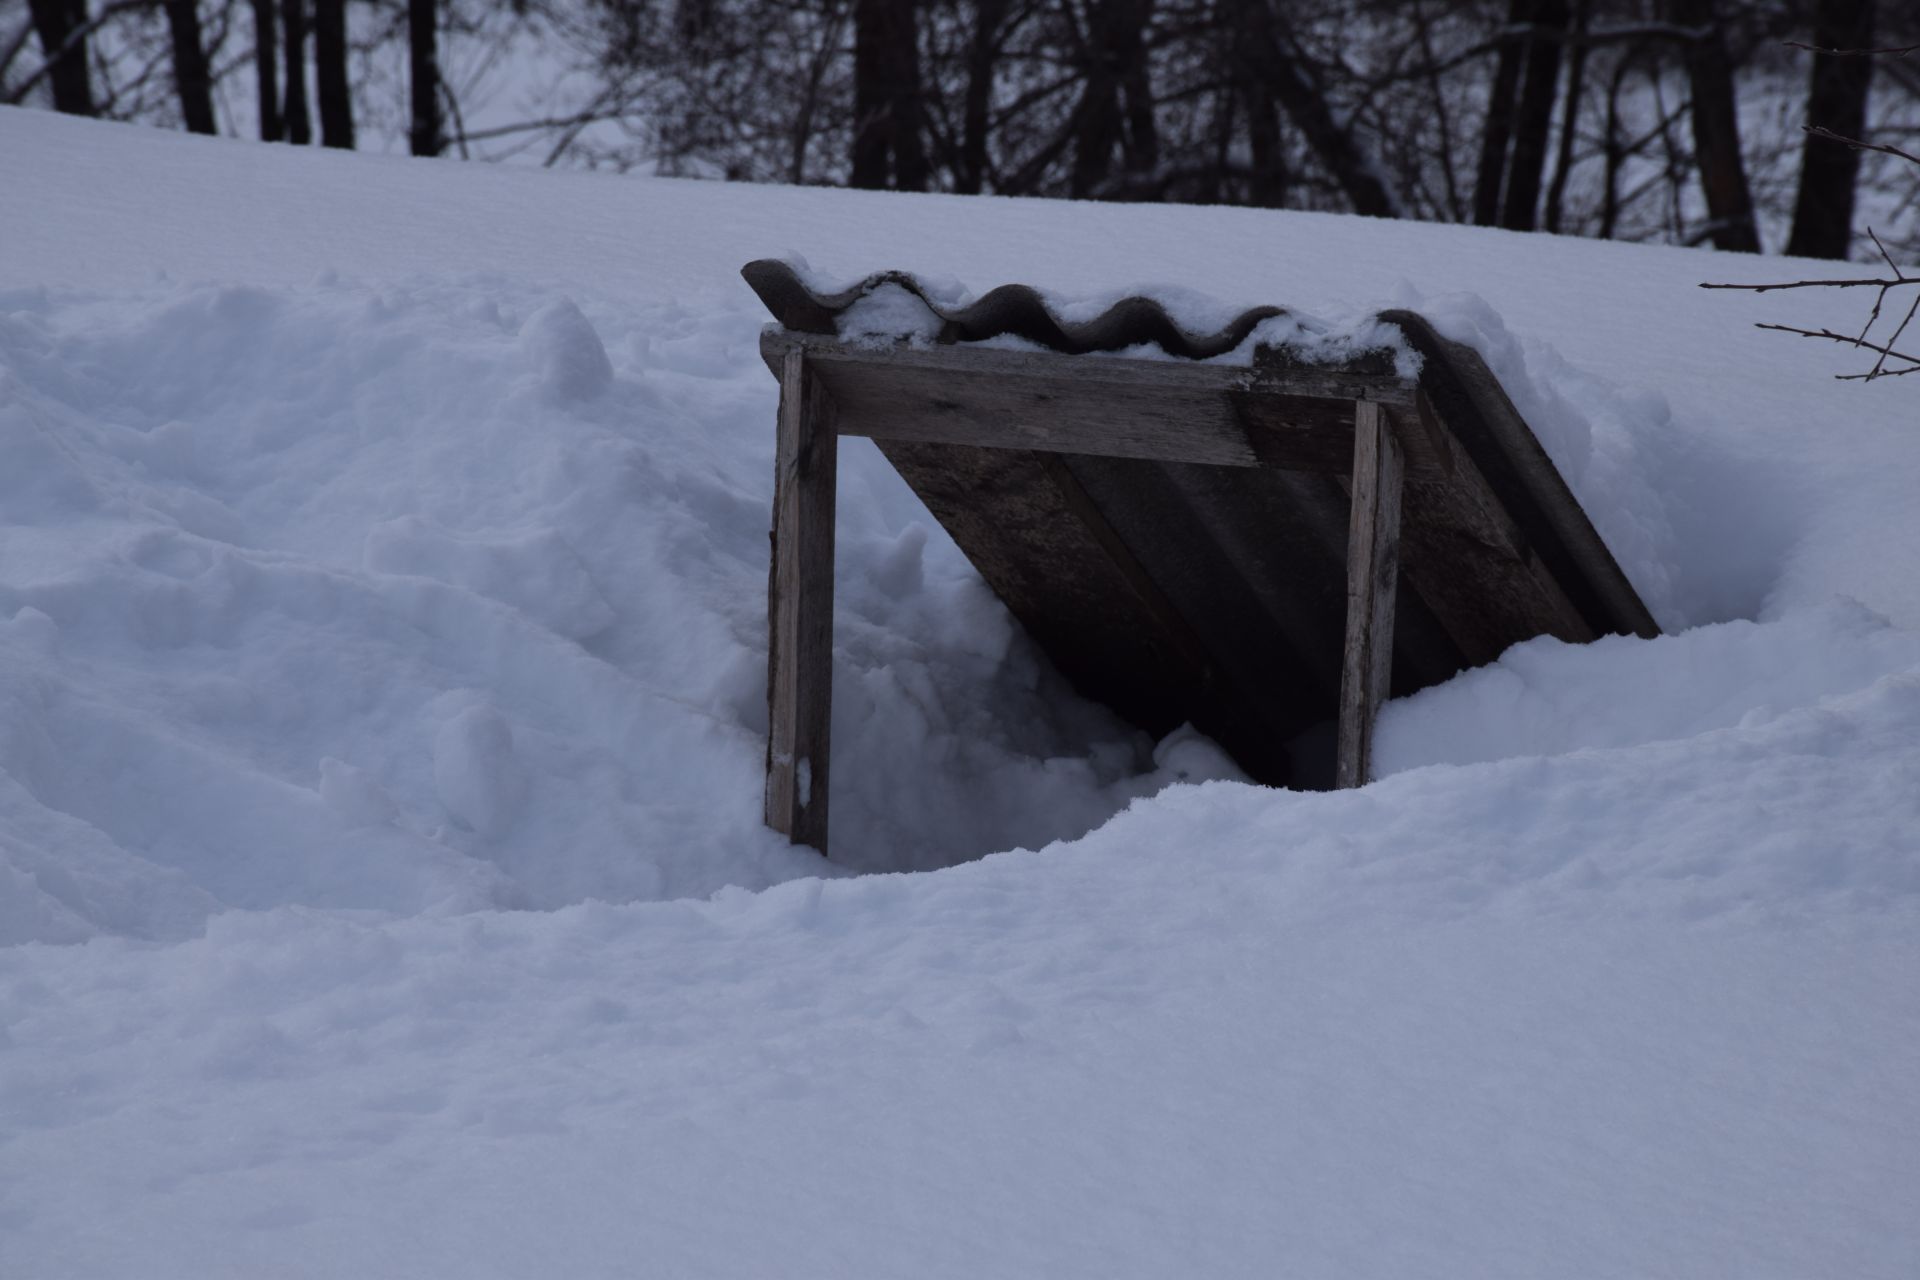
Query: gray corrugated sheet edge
(1015, 309)
(1464, 393)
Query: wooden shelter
(1259, 549)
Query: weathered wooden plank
(1172, 623)
(1373, 561)
(1242, 571)
(1037, 411)
(1221, 415)
(1484, 424)
(1477, 571)
(800, 608)
(1005, 510)
(1314, 381)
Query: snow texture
(383, 889)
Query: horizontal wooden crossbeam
(1291, 419)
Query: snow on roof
(1008, 310)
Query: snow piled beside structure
(382, 587)
(397, 597)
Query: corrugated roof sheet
(1018, 310)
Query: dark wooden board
(1297, 419)
(800, 609)
(1373, 576)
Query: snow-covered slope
(382, 570)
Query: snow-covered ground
(382, 889)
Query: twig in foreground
(1853, 53)
(1848, 339)
(1821, 131)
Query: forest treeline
(1674, 120)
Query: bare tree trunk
(266, 68)
(824, 54)
(1716, 131)
(1498, 131)
(59, 24)
(331, 86)
(1442, 115)
(298, 123)
(1212, 178)
(1140, 149)
(427, 135)
(872, 121)
(909, 134)
(1569, 118)
(1267, 186)
(982, 56)
(1836, 100)
(1116, 107)
(1294, 87)
(1533, 125)
(191, 79)
(886, 97)
(1096, 116)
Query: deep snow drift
(382, 571)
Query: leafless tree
(63, 27)
(889, 144)
(267, 70)
(427, 135)
(1837, 101)
(333, 90)
(1899, 286)
(1885, 348)
(1665, 120)
(293, 106)
(1716, 129)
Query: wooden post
(1373, 571)
(800, 608)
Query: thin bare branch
(1818, 284)
(1828, 134)
(1880, 364)
(536, 126)
(1853, 53)
(1869, 377)
(1513, 33)
(1847, 339)
(1885, 256)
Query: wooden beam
(1107, 406)
(1373, 570)
(800, 608)
(1313, 381)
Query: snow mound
(454, 586)
(536, 573)
(565, 353)
(1493, 1006)
(1548, 698)
(268, 540)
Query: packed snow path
(382, 570)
